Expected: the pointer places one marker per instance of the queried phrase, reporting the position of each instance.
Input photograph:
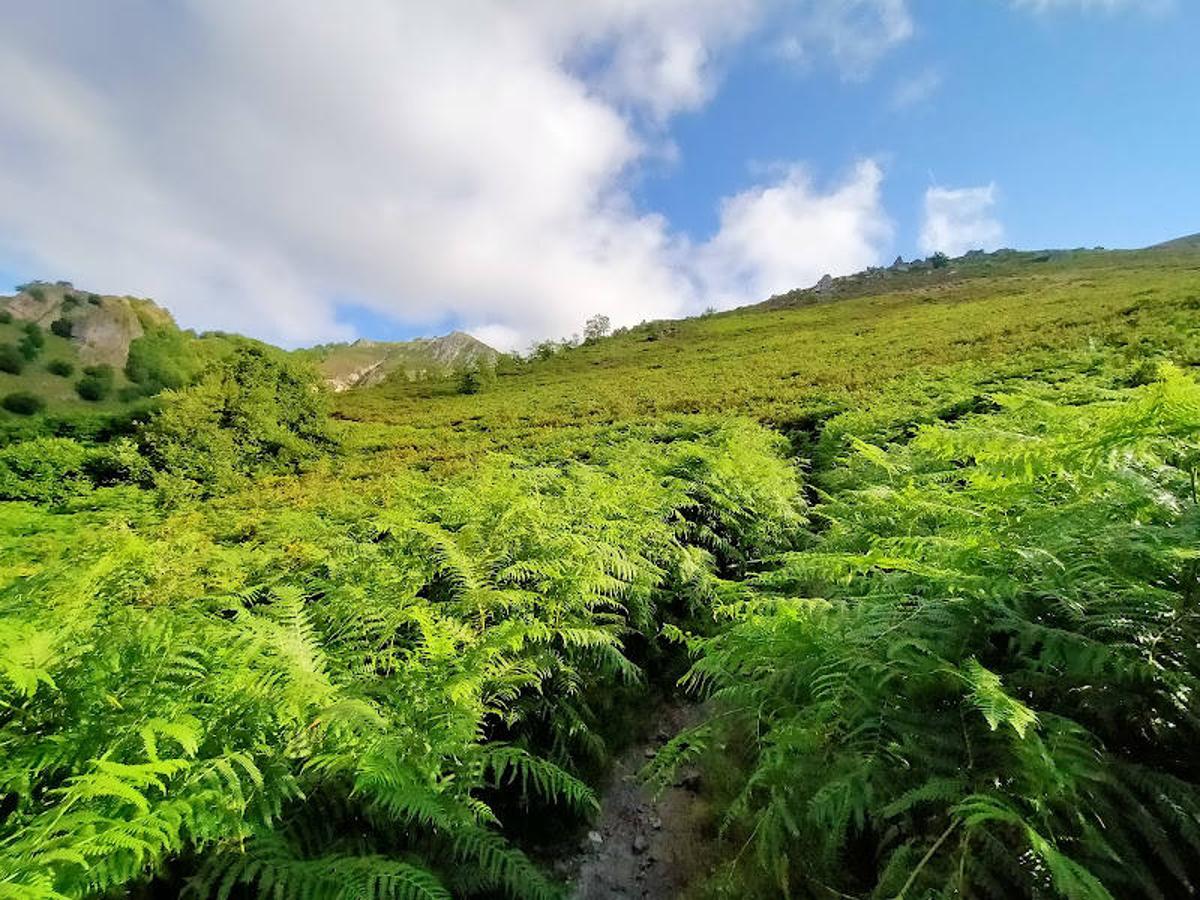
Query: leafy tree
(256, 409)
(470, 381)
(596, 327)
(164, 358)
(61, 327)
(23, 403)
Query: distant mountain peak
(365, 362)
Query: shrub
(5, 317)
(939, 260)
(96, 384)
(163, 359)
(61, 327)
(12, 360)
(45, 469)
(23, 403)
(469, 381)
(94, 299)
(60, 367)
(33, 341)
(257, 409)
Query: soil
(643, 846)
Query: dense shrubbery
(164, 359)
(97, 383)
(60, 367)
(325, 701)
(994, 692)
(255, 409)
(965, 668)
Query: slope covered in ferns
(930, 550)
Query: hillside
(367, 363)
(924, 545)
(785, 363)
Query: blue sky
(304, 172)
(1088, 122)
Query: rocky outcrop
(102, 327)
(365, 363)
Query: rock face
(825, 285)
(102, 327)
(366, 363)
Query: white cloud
(251, 164)
(788, 234)
(1047, 6)
(916, 89)
(960, 219)
(855, 34)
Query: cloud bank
(253, 165)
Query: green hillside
(923, 540)
(89, 359)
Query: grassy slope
(783, 366)
(59, 393)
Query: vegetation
(927, 547)
(32, 341)
(12, 360)
(96, 383)
(60, 367)
(23, 403)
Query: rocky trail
(642, 846)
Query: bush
(939, 260)
(23, 403)
(469, 381)
(163, 359)
(60, 367)
(96, 384)
(33, 341)
(94, 299)
(46, 469)
(12, 360)
(5, 317)
(61, 327)
(255, 410)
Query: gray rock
(640, 844)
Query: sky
(304, 171)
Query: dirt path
(642, 846)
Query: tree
(61, 327)
(256, 409)
(939, 260)
(596, 327)
(469, 379)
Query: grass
(781, 366)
